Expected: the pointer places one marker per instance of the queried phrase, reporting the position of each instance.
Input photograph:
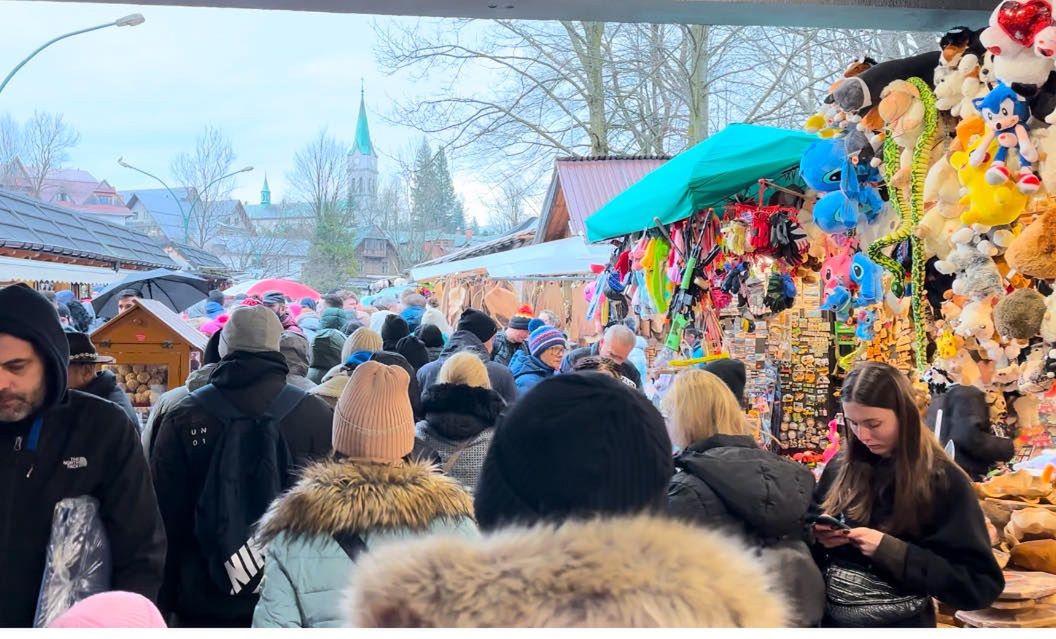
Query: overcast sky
(269, 79)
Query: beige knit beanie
(373, 419)
(361, 339)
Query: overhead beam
(898, 15)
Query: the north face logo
(73, 463)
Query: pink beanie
(115, 609)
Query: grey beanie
(251, 329)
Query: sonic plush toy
(1006, 113)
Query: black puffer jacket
(500, 376)
(728, 482)
(186, 439)
(966, 422)
(105, 385)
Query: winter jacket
(624, 572)
(500, 376)
(966, 422)
(530, 371)
(335, 380)
(186, 439)
(327, 345)
(214, 309)
(87, 446)
(434, 352)
(105, 385)
(627, 368)
(503, 350)
(413, 316)
(729, 483)
(950, 559)
(294, 349)
(638, 358)
(168, 400)
(308, 320)
(308, 569)
(460, 420)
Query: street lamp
(132, 20)
(198, 198)
(183, 214)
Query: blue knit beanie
(543, 338)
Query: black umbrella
(175, 289)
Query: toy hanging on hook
(1006, 114)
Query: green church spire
(363, 144)
(265, 193)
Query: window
(375, 248)
(65, 197)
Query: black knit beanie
(431, 336)
(29, 316)
(733, 372)
(575, 446)
(212, 350)
(477, 323)
(393, 330)
(413, 350)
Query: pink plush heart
(1023, 20)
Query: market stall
(154, 350)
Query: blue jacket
(307, 569)
(529, 371)
(413, 316)
(214, 309)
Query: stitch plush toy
(836, 270)
(987, 204)
(869, 278)
(865, 327)
(1006, 114)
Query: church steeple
(363, 144)
(265, 193)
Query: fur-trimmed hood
(626, 572)
(344, 496)
(458, 412)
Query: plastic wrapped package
(78, 559)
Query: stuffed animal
(961, 52)
(942, 201)
(836, 270)
(838, 302)
(822, 165)
(868, 276)
(1019, 315)
(976, 274)
(1048, 320)
(1028, 414)
(1010, 36)
(860, 94)
(978, 81)
(1033, 251)
(976, 320)
(865, 327)
(833, 446)
(987, 204)
(947, 344)
(1006, 114)
(1038, 373)
(902, 111)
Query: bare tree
(10, 148)
(320, 177)
(510, 205)
(266, 254)
(203, 170)
(46, 143)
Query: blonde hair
(700, 405)
(465, 369)
(362, 339)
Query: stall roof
(515, 238)
(15, 269)
(175, 323)
(706, 175)
(570, 256)
(28, 224)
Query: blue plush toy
(822, 165)
(867, 275)
(839, 302)
(865, 329)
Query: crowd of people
(332, 464)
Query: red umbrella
(293, 290)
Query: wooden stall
(155, 351)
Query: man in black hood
(962, 416)
(56, 444)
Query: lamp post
(132, 20)
(198, 198)
(183, 214)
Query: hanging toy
(865, 328)
(867, 275)
(735, 237)
(839, 302)
(787, 238)
(1006, 113)
(833, 447)
(836, 271)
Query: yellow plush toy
(987, 204)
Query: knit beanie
(431, 336)
(373, 419)
(477, 323)
(308, 302)
(575, 446)
(534, 324)
(413, 350)
(29, 316)
(393, 330)
(250, 329)
(274, 297)
(521, 319)
(363, 339)
(543, 338)
(114, 609)
(733, 373)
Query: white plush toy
(942, 199)
(1048, 322)
(976, 320)
(1027, 411)
(972, 264)
(976, 85)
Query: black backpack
(249, 468)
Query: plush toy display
(1048, 320)
(1005, 113)
(1019, 315)
(1033, 252)
(861, 93)
(868, 277)
(987, 204)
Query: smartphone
(829, 520)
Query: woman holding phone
(911, 526)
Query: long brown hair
(917, 455)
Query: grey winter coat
(500, 376)
(459, 424)
(728, 482)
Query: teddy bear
(978, 81)
(1033, 252)
(976, 320)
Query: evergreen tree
(450, 215)
(331, 255)
(425, 194)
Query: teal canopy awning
(730, 162)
